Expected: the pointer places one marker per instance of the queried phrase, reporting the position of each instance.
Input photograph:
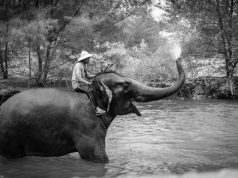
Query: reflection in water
(58, 167)
(170, 137)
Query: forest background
(39, 40)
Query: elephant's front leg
(91, 149)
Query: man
(80, 76)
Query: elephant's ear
(108, 94)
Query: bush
(136, 62)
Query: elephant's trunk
(145, 93)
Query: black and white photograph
(119, 88)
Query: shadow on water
(171, 137)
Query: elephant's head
(115, 93)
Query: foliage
(147, 66)
(33, 32)
(216, 22)
(143, 27)
(42, 35)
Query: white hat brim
(84, 57)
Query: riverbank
(197, 89)
(209, 87)
(203, 88)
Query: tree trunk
(26, 4)
(37, 4)
(45, 2)
(1, 60)
(227, 45)
(229, 82)
(47, 62)
(229, 86)
(29, 62)
(40, 66)
(5, 73)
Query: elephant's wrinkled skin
(53, 122)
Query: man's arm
(78, 73)
(89, 76)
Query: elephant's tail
(5, 94)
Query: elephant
(54, 122)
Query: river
(171, 137)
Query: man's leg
(82, 88)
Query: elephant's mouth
(129, 108)
(134, 109)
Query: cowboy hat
(84, 55)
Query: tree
(43, 24)
(4, 55)
(217, 21)
(143, 27)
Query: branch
(58, 65)
(67, 21)
(221, 23)
(227, 4)
(162, 8)
(121, 19)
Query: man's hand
(89, 76)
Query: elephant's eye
(124, 84)
(121, 87)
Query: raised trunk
(145, 93)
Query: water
(172, 137)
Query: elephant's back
(44, 96)
(38, 102)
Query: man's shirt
(78, 72)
